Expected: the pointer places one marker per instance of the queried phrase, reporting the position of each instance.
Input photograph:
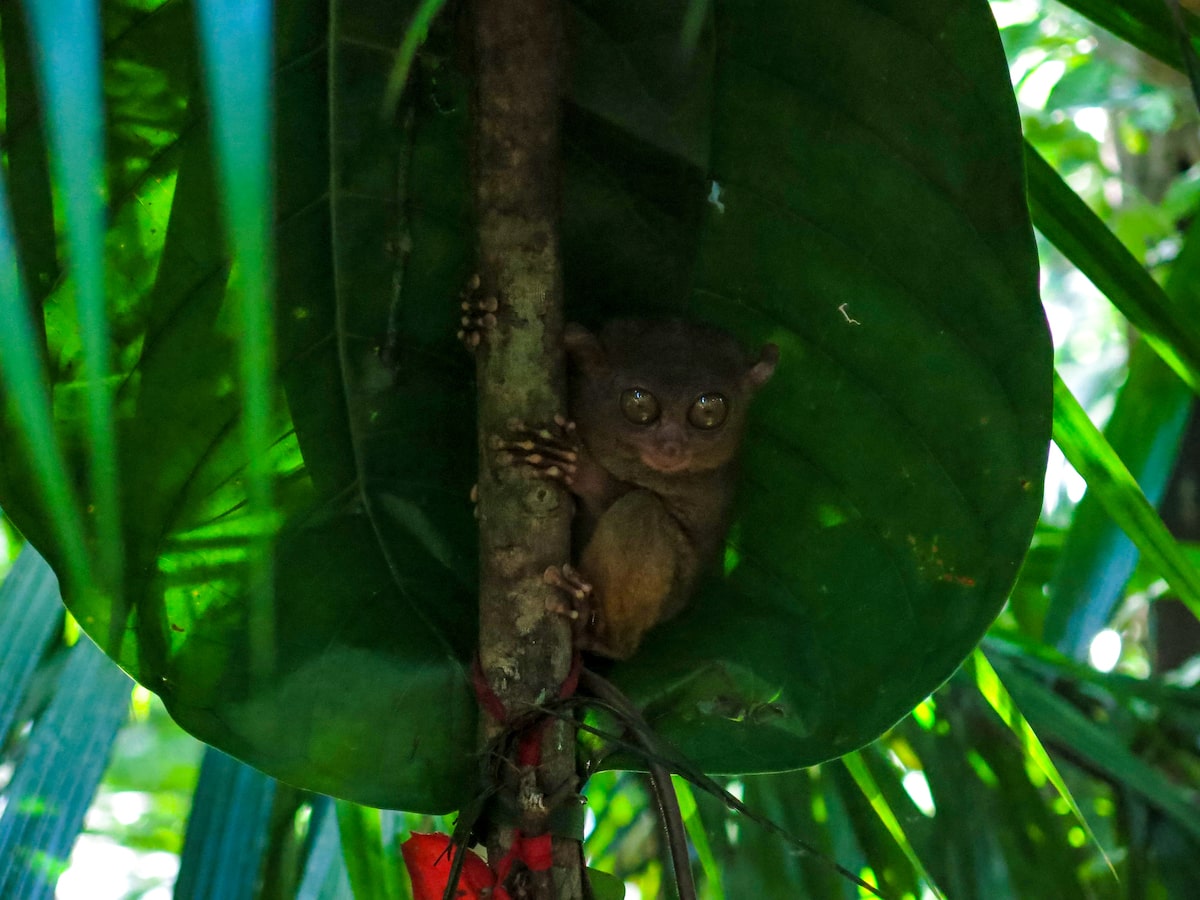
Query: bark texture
(525, 651)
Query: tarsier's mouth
(665, 463)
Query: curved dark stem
(672, 821)
(660, 779)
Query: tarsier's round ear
(760, 373)
(584, 347)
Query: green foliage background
(295, 568)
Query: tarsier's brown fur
(653, 475)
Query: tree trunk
(525, 651)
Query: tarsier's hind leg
(638, 561)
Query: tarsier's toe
(562, 609)
(479, 313)
(567, 579)
(579, 609)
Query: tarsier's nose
(666, 456)
(671, 450)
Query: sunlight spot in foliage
(1026, 61)
(1093, 120)
(917, 788)
(982, 769)
(733, 833)
(714, 196)
(302, 821)
(71, 630)
(589, 822)
(924, 713)
(820, 812)
(830, 516)
(1062, 482)
(902, 755)
(1061, 318)
(732, 557)
(101, 868)
(1075, 486)
(1036, 87)
(50, 867)
(127, 807)
(1076, 837)
(621, 810)
(1014, 12)
(140, 703)
(1105, 650)
(867, 874)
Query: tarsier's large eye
(639, 406)
(709, 411)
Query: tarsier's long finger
(563, 474)
(560, 428)
(534, 465)
(550, 451)
(536, 451)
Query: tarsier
(656, 415)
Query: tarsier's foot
(550, 451)
(478, 313)
(579, 608)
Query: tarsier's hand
(478, 313)
(546, 451)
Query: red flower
(428, 858)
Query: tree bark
(525, 651)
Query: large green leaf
(844, 180)
(871, 221)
